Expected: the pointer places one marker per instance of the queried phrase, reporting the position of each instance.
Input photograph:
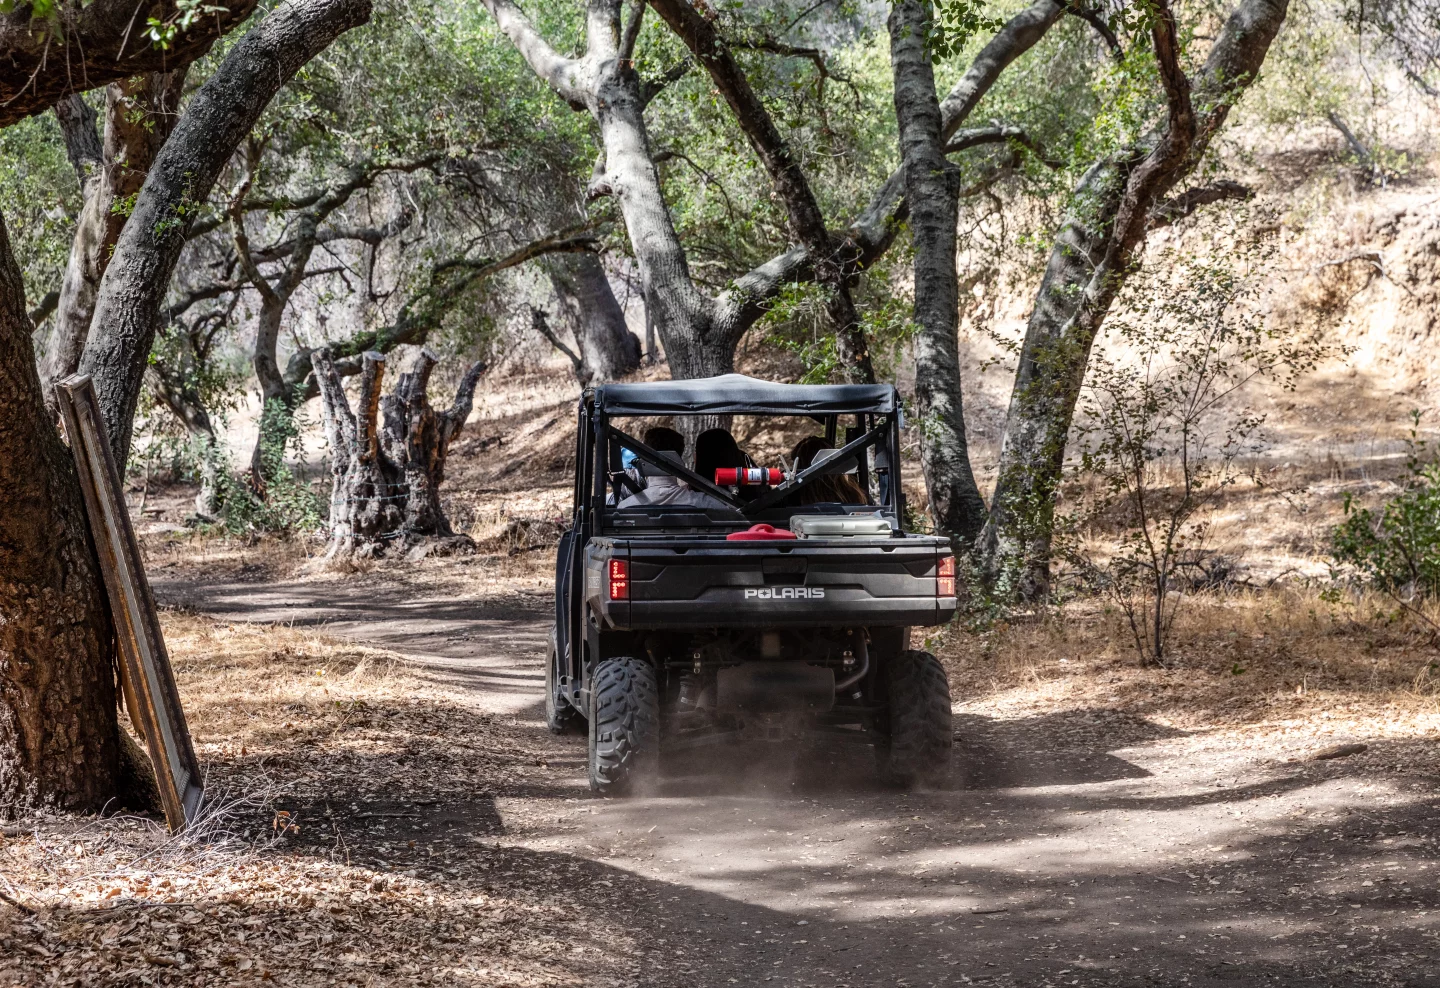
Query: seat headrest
(830, 454)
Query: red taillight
(945, 577)
(620, 579)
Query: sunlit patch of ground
(1279, 671)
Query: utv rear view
(715, 595)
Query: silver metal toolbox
(839, 526)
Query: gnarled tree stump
(388, 456)
(417, 437)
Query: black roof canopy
(736, 394)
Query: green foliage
(1396, 549)
(289, 505)
(163, 31)
(799, 324)
(956, 23)
(40, 196)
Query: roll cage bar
(598, 445)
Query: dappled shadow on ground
(1215, 888)
(1075, 848)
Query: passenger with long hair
(834, 488)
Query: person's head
(663, 440)
(656, 476)
(715, 449)
(833, 488)
(804, 452)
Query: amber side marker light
(945, 577)
(620, 579)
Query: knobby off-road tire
(560, 717)
(921, 730)
(624, 725)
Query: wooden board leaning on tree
(146, 677)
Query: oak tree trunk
(418, 437)
(216, 120)
(368, 488)
(140, 112)
(932, 187)
(388, 456)
(60, 742)
(607, 348)
(1095, 250)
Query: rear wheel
(560, 717)
(921, 731)
(624, 725)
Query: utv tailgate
(706, 583)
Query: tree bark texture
(387, 457)
(85, 46)
(417, 437)
(217, 119)
(700, 333)
(368, 488)
(1115, 203)
(139, 114)
(59, 737)
(607, 350)
(932, 189)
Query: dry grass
(1281, 672)
(306, 739)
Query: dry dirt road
(1081, 848)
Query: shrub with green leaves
(1164, 423)
(288, 505)
(1396, 547)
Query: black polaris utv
(763, 613)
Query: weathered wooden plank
(147, 679)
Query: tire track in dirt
(1074, 849)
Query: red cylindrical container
(748, 477)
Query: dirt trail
(1084, 848)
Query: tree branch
(1177, 208)
(448, 281)
(540, 322)
(1094, 18)
(557, 71)
(997, 134)
(650, 88)
(86, 46)
(632, 32)
(872, 232)
(358, 176)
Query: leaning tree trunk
(139, 114)
(608, 350)
(932, 188)
(417, 437)
(1119, 198)
(216, 120)
(368, 488)
(60, 742)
